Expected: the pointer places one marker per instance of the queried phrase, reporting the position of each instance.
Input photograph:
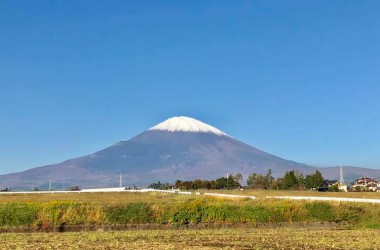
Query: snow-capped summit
(197, 151)
(186, 124)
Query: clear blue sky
(298, 79)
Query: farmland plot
(197, 239)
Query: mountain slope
(178, 148)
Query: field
(46, 212)
(263, 193)
(198, 239)
(120, 198)
(103, 198)
(190, 222)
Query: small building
(332, 182)
(343, 187)
(327, 184)
(365, 184)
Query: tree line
(230, 182)
(292, 180)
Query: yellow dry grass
(127, 197)
(197, 239)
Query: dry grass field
(197, 239)
(263, 193)
(245, 237)
(127, 197)
(104, 198)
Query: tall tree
(221, 183)
(238, 177)
(314, 180)
(318, 178)
(259, 181)
(290, 180)
(254, 181)
(232, 183)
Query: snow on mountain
(186, 124)
(180, 148)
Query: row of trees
(160, 185)
(232, 182)
(291, 180)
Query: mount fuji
(178, 148)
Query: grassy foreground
(47, 216)
(118, 198)
(197, 239)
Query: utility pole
(50, 186)
(341, 181)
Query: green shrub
(319, 211)
(222, 212)
(17, 214)
(256, 213)
(131, 213)
(285, 211)
(192, 211)
(348, 213)
(188, 212)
